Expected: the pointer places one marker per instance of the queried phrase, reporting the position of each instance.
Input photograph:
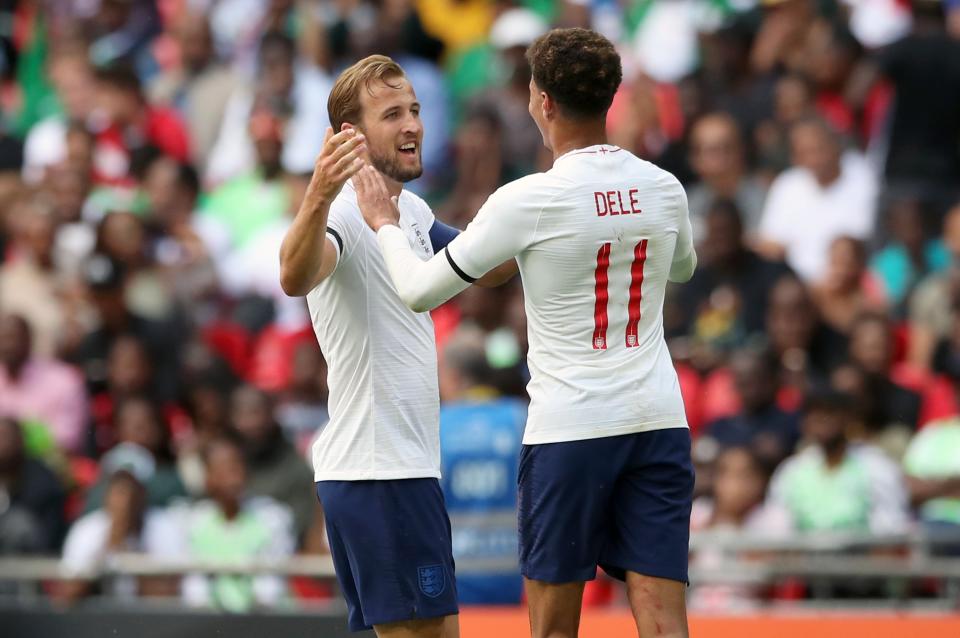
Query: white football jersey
(595, 238)
(381, 357)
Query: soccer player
(378, 460)
(605, 474)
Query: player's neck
(570, 135)
(393, 186)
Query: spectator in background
(923, 158)
(807, 349)
(726, 299)
(480, 436)
(736, 507)
(792, 101)
(931, 309)
(909, 257)
(121, 30)
(173, 191)
(123, 524)
(276, 470)
(768, 431)
(717, 156)
(302, 407)
(122, 237)
(140, 429)
(520, 142)
(30, 284)
(199, 87)
(132, 123)
(105, 279)
(69, 186)
(207, 381)
(260, 212)
(836, 485)
(848, 289)
(129, 373)
(871, 349)
(826, 194)
(31, 498)
(782, 34)
(480, 166)
(932, 466)
(46, 144)
(229, 527)
(38, 389)
(293, 90)
(831, 55)
(248, 204)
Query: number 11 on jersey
(602, 296)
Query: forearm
(421, 285)
(923, 490)
(301, 254)
(499, 275)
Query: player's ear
(547, 106)
(346, 125)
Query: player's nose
(412, 125)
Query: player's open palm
(378, 208)
(340, 158)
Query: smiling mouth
(409, 149)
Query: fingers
(326, 136)
(360, 183)
(330, 144)
(354, 145)
(376, 183)
(351, 163)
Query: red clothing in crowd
(161, 127)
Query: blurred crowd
(159, 392)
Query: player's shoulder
(535, 188)
(660, 176)
(344, 214)
(346, 200)
(414, 204)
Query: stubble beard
(390, 166)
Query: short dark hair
(188, 178)
(822, 398)
(579, 69)
(224, 439)
(343, 104)
(275, 40)
(120, 76)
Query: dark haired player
(605, 472)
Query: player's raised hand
(340, 158)
(376, 205)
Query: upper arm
(685, 231)
(441, 235)
(684, 256)
(342, 232)
(503, 228)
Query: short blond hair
(343, 105)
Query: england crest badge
(431, 579)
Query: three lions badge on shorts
(431, 580)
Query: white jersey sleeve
(505, 225)
(344, 226)
(501, 230)
(684, 255)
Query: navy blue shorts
(390, 542)
(620, 502)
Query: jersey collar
(596, 149)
